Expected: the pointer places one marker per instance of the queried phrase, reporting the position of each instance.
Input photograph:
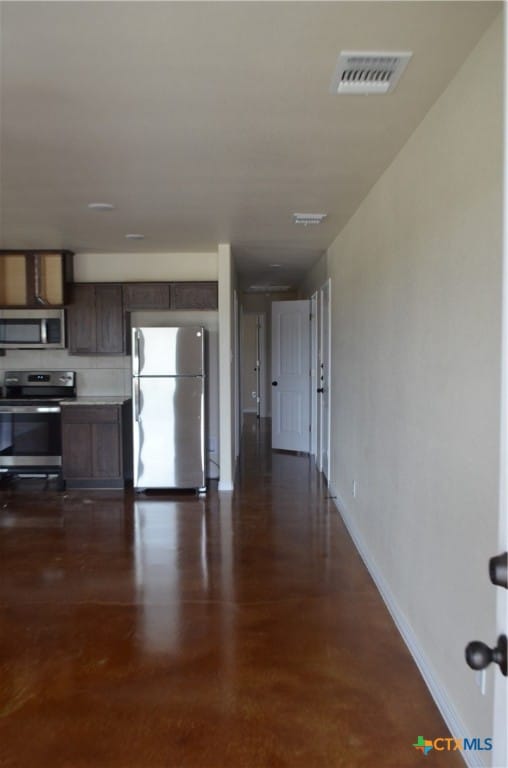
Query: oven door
(29, 437)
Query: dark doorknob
(320, 390)
(275, 383)
(479, 655)
(498, 570)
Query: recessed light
(134, 236)
(101, 206)
(275, 265)
(308, 218)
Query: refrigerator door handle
(135, 352)
(136, 400)
(137, 362)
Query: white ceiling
(207, 122)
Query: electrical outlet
(254, 395)
(480, 677)
(212, 445)
(355, 489)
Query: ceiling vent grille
(363, 72)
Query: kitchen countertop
(98, 400)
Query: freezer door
(167, 351)
(169, 449)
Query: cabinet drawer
(90, 414)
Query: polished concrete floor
(166, 631)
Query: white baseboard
(473, 759)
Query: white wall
(109, 267)
(416, 278)
(227, 405)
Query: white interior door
(291, 375)
(500, 740)
(324, 380)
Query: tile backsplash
(94, 375)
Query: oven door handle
(30, 409)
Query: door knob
(479, 655)
(498, 570)
(275, 383)
(320, 390)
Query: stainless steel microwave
(32, 328)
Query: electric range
(30, 420)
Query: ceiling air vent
(309, 218)
(268, 288)
(364, 72)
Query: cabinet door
(106, 451)
(34, 278)
(81, 323)
(146, 296)
(77, 456)
(109, 320)
(13, 280)
(49, 279)
(92, 442)
(201, 295)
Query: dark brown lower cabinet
(96, 445)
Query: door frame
(314, 364)
(261, 371)
(317, 340)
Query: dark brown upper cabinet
(34, 278)
(95, 319)
(194, 295)
(138, 296)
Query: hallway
(165, 631)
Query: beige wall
(315, 277)
(108, 267)
(416, 306)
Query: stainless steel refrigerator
(168, 401)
